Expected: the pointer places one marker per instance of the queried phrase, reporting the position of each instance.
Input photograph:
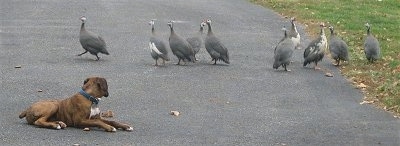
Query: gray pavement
(244, 103)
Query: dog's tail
(23, 114)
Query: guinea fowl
(179, 46)
(316, 49)
(371, 46)
(283, 52)
(91, 42)
(157, 46)
(337, 47)
(294, 34)
(214, 47)
(197, 41)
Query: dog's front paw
(129, 129)
(62, 124)
(111, 129)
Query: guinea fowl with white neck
(316, 49)
(158, 48)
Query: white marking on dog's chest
(94, 110)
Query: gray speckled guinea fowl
(179, 46)
(91, 42)
(337, 47)
(371, 46)
(157, 46)
(214, 46)
(294, 34)
(197, 41)
(315, 51)
(283, 52)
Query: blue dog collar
(89, 97)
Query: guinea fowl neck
(209, 28)
(201, 30)
(293, 25)
(368, 30)
(172, 29)
(322, 31)
(83, 26)
(152, 29)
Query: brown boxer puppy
(80, 110)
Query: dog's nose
(106, 95)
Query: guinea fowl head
(331, 29)
(151, 23)
(292, 19)
(170, 24)
(83, 19)
(368, 27)
(208, 21)
(202, 24)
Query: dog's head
(96, 87)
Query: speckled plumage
(337, 47)
(158, 48)
(91, 42)
(179, 46)
(283, 52)
(214, 46)
(315, 51)
(371, 46)
(197, 41)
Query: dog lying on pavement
(80, 110)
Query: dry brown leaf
(329, 74)
(175, 113)
(366, 102)
(108, 114)
(361, 85)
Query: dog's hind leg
(118, 125)
(42, 122)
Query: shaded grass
(348, 17)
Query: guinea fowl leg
(163, 62)
(179, 62)
(316, 66)
(97, 58)
(286, 68)
(82, 53)
(156, 63)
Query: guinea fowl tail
(225, 59)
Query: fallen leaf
(175, 113)
(40, 90)
(108, 114)
(18, 66)
(329, 74)
(361, 85)
(86, 129)
(366, 102)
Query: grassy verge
(348, 17)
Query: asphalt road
(244, 103)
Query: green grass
(348, 17)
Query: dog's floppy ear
(85, 81)
(102, 84)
